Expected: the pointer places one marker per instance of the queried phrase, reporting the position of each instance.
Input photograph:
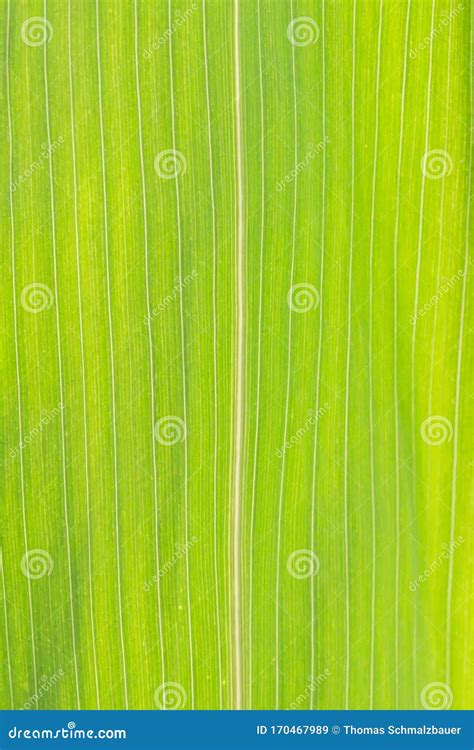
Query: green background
(220, 512)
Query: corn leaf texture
(235, 310)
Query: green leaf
(235, 357)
